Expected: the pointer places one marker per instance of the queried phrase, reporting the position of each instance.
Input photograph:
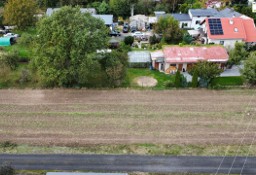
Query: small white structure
(139, 59)
(139, 21)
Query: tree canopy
(249, 71)
(170, 30)
(121, 7)
(66, 44)
(206, 70)
(20, 13)
(237, 54)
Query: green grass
(143, 149)
(227, 81)
(161, 78)
(23, 51)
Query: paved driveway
(233, 72)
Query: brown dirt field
(80, 117)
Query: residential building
(184, 20)
(173, 58)
(228, 31)
(199, 15)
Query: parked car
(2, 31)
(126, 28)
(133, 29)
(115, 33)
(138, 34)
(11, 35)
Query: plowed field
(81, 117)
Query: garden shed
(6, 41)
(139, 59)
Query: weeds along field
(78, 118)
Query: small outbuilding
(6, 41)
(139, 59)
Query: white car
(138, 34)
(11, 35)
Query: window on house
(184, 25)
(197, 22)
(222, 42)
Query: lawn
(227, 81)
(161, 78)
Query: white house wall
(229, 44)
(185, 22)
(194, 19)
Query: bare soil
(82, 117)
(145, 81)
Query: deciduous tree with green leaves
(237, 54)
(66, 44)
(20, 13)
(121, 7)
(169, 28)
(249, 71)
(206, 71)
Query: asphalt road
(129, 163)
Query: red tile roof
(187, 54)
(235, 28)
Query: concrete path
(131, 163)
(233, 72)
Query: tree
(121, 7)
(178, 79)
(237, 54)
(129, 40)
(103, 8)
(195, 79)
(187, 38)
(249, 71)
(20, 13)
(206, 71)
(66, 44)
(115, 67)
(169, 28)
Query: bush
(25, 76)
(169, 84)
(153, 40)
(9, 59)
(178, 79)
(128, 40)
(184, 82)
(7, 169)
(194, 83)
(26, 39)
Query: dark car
(115, 33)
(125, 29)
(133, 29)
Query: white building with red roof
(228, 31)
(183, 58)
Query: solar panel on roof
(215, 26)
